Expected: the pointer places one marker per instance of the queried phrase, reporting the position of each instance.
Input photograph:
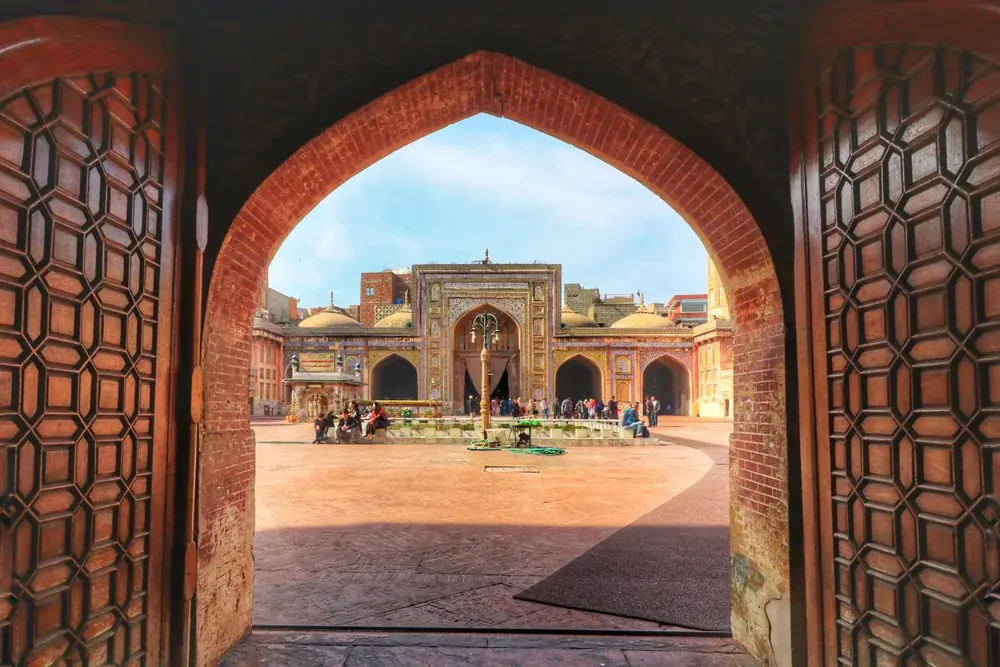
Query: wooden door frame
(38, 49)
(969, 25)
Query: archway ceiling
(715, 80)
(717, 84)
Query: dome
(642, 318)
(401, 319)
(328, 319)
(571, 318)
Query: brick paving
(421, 536)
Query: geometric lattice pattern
(81, 168)
(910, 191)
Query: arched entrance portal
(487, 82)
(667, 380)
(394, 378)
(578, 378)
(467, 367)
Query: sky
(488, 182)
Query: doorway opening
(667, 381)
(578, 378)
(719, 215)
(394, 378)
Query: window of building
(369, 291)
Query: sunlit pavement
(411, 536)
(422, 535)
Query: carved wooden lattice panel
(81, 173)
(909, 170)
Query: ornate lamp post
(489, 327)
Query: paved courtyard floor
(425, 536)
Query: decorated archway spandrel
(598, 357)
(373, 357)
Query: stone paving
(423, 536)
(323, 649)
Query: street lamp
(489, 327)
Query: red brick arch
(502, 86)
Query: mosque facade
(409, 342)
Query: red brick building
(382, 294)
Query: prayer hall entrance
(394, 378)
(668, 381)
(578, 378)
(153, 157)
(504, 363)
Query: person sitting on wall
(376, 419)
(631, 419)
(353, 422)
(343, 432)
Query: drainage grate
(510, 469)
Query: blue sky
(486, 182)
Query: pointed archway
(669, 381)
(394, 378)
(578, 377)
(487, 82)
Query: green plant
(469, 426)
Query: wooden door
(86, 251)
(901, 224)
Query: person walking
(545, 409)
(654, 413)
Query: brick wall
(383, 285)
(497, 84)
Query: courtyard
(436, 536)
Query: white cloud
(572, 186)
(488, 182)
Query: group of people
(350, 422)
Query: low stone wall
(552, 433)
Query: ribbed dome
(642, 318)
(571, 318)
(328, 319)
(401, 319)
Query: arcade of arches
(863, 290)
